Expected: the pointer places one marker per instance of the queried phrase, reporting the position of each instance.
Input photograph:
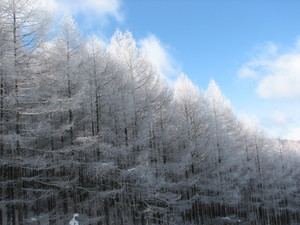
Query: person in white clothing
(74, 221)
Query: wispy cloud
(283, 78)
(283, 124)
(279, 117)
(294, 134)
(158, 55)
(50, 5)
(278, 74)
(99, 10)
(247, 72)
(249, 122)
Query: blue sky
(250, 47)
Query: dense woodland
(95, 129)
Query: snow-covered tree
(94, 129)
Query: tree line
(95, 129)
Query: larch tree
(67, 64)
(23, 26)
(192, 130)
(96, 130)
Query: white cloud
(99, 9)
(50, 5)
(283, 80)
(282, 124)
(158, 55)
(278, 75)
(246, 72)
(279, 117)
(294, 134)
(276, 72)
(249, 122)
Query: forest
(95, 129)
